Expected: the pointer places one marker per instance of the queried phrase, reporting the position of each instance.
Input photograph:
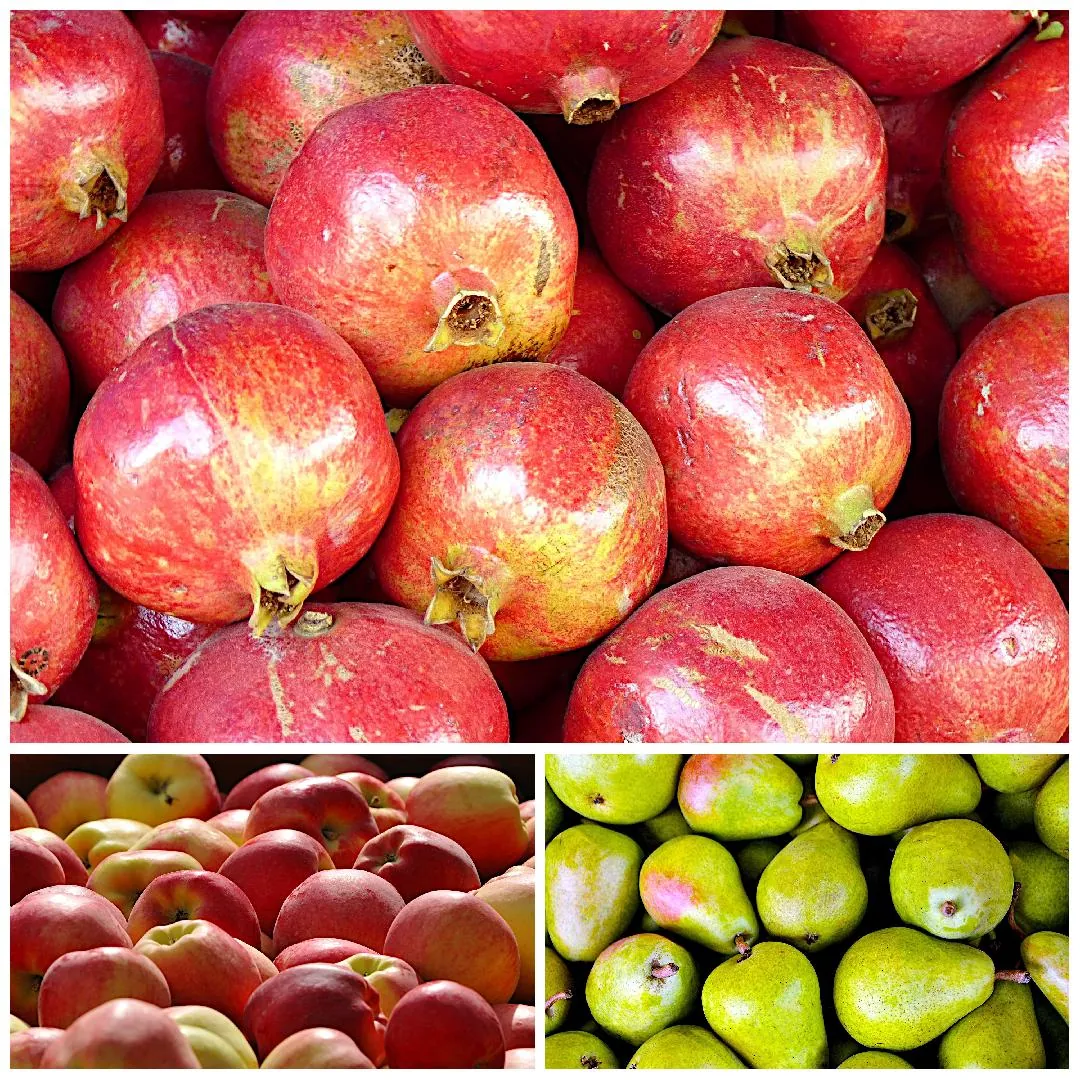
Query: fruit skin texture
(1013, 773)
(182, 428)
(33, 867)
(317, 1048)
(549, 524)
(155, 788)
(416, 860)
(449, 171)
(52, 723)
(684, 1047)
(396, 681)
(578, 1050)
(616, 789)
(1002, 1033)
(788, 184)
(781, 430)
(1007, 173)
(1046, 957)
(182, 34)
(87, 132)
(991, 664)
(812, 676)
(442, 1025)
(1005, 427)
(961, 298)
(874, 1059)
(557, 981)
(1052, 812)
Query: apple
(317, 1048)
(392, 978)
(513, 896)
(518, 1023)
(246, 793)
(319, 950)
(195, 894)
(94, 841)
(387, 818)
(22, 817)
(332, 764)
(527, 809)
(74, 871)
(530, 832)
(123, 877)
(33, 867)
(376, 794)
(263, 963)
(216, 1041)
(232, 823)
(520, 1058)
(209, 847)
(66, 800)
(155, 788)
(416, 860)
(28, 1047)
(444, 1025)
(402, 785)
(530, 861)
(18, 1025)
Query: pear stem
(1012, 911)
(948, 909)
(562, 995)
(741, 947)
(664, 971)
(809, 799)
(1012, 976)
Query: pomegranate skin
(87, 132)
(762, 165)
(40, 387)
(429, 230)
(340, 673)
(531, 511)
(182, 34)
(735, 654)
(969, 629)
(181, 251)
(583, 64)
(907, 53)
(53, 593)
(237, 459)
(1007, 173)
(1005, 427)
(781, 431)
(52, 724)
(959, 296)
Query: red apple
(317, 1048)
(416, 860)
(28, 1047)
(67, 799)
(391, 977)
(74, 871)
(332, 764)
(232, 823)
(33, 867)
(444, 1025)
(22, 817)
(318, 951)
(402, 785)
(245, 794)
(124, 876)
(218, 1043)
(520, 1058)
(513, 896)
(209, 846)
(376, 794)
(518, 1023)
(194, 894)
(387, 818)
(156, 788)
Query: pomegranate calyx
(898, 223)
(802, 267)
(23, 685)
(854, 520)
(459, 597)
(279, 588)
(395, 418)
(588, 97)
(890, 315)
(472, 317)
(99, 187)
(113, 611)
(313, 624)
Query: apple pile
(319, 915)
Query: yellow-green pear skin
(1043, 876)
(813, 893)
(898, 988)
(1014, 812)
(879, 794)
(754, 856)
(616, 789)
(665, 826)
(578, 1050)
(684, 1047)
(558, 991)
(554, 812)
(1052, 812)
(1046, 958)
(1000, 1034)
(1015, 772)
(767, 1007)
(874, 1059)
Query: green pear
(640, 985)
(1014, 812)
(1052, 812)
(684, 1047)
(878, 794)
(754, 856)
(1000, 1034)
(1042, 902)
(1015, 772)
(952, 878)
(617, 789)
(799, 761)
(665, 826)
(591, 889)
(740, 796)
(691, 886)
(874, 1059)
(1054, 1030)
(766, 1006)
(1046, 957)
(896, 989)
(554, 812)
(578, 1050)
(558, 991)
(813, 894)
(813, 813)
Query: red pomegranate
(972, 327)
(86, 132)
(181, 33)
(571, 149)
(531, 511)
(40, 387)
(959, 296)
(971, 632)
(62, 488)
(1005, 427)
(1007, 172)
(609, 326)
(181, 251)
(341, 673)
(764, 165)
(53, 594)
(736, 654)
(781, 432)
(895, 307)
(428, 228)
(52, 724)
(188, 162)
(907, 53)
(583, 64)
(239, 457)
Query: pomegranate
(283, 72)
(972, 327)
(531, 511)
(959, 296)
(239, 457)
(40, 386)
(188, 162)
(86, 132)
(781, 432)
(62, 488)
(428, 228)
(53, 594)
(341, 673)
(583, 64)
(764, 165)
(571, 148)
(52, 724)
(971, 633)
(181, 251)
(609, 326)
(1005, 427)
(181, 33)
(735, 654)
(907, 53)
(896, 308)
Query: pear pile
(797, 911)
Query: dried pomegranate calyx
(98, 187)
(854, 519)
(890, 315)
(23, 686)
(472, 317)
(279, 587)
(802, 267)
(460, 597)
(588, 97)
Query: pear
(799, 761)
(1014, 812)
(1015, 772)
(1054, 1030)
(1042, 902)
(874, 1059)
(665, 826)
(952, 878)
(691, 885)
(554, 812)
(684, 1047)
(617, 789)
(878, 794)
(1046, 957)
(578, 1050)
(640, 985)
(740, 796)
(898, 988)
(591, 889)
(753, 857)
(1002, 1033)
(1052, 812)
(813, 894)
(558, 991)
(766, 1006)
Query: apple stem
(562, 995)
(1012, 976)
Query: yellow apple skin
(18, 1025)
(392, 978)
(94, 841)
(232, 823)
(513, 896)
(22, 817)
(66, 800)
(218, 1043)
(317, 1048)
(122, 877)
(155, 788)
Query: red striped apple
(320, 950)
(208, 846)
(194, 894)
(123, 877)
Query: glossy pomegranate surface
(958, 294)
(51, 724)
(182, 33)
(739, 654)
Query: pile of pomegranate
(542, 376)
